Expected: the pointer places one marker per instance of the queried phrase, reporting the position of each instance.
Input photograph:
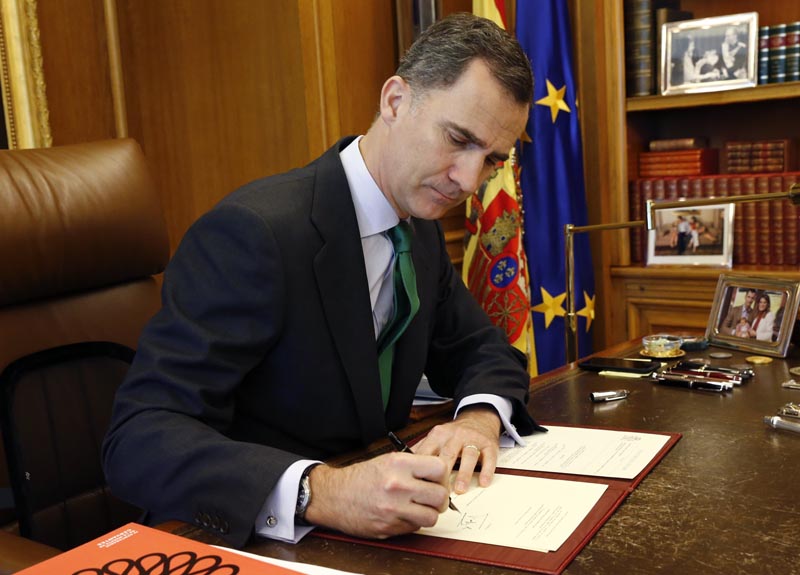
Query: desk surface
(724, 500)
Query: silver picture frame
(753, 313)
(709, 54)
(696, 236)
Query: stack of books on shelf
(677, 144)
(764, 233)
(643, 20)
(779, 53)
(744, 157)
(694, 162)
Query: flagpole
(571, 323)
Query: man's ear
(395, 96)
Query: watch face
(303, 497)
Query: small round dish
(662, 345)
(679, 353)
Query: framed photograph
(701, 236)
(751, 313)
(709, 54)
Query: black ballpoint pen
(688, 382)
(401, 446)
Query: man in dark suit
(263, 360)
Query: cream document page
(523, 512)
(584, 451)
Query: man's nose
(469, 171)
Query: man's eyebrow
(467, 135)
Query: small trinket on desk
(790, 410)
(791, 384)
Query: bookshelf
(634, 299)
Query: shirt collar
(373, 211)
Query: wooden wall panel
(601, 106)
(366, 55)
(648, 316)
(215, 95)
(75, 66)
(221, 93)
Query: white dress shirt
(375, 216)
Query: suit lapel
(342, 280)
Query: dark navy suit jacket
(264, 352)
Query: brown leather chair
(81, 237)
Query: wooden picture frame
(753, 313)
(709, 54)
(698, 236)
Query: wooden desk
(724, 500)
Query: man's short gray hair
(444, 50)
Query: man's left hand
(474, 437)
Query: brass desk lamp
(571, 327)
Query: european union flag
(552, 182)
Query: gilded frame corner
(22, 77)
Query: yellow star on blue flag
(588, 310)
(554, 100)
(551, 307)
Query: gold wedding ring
(475, 447)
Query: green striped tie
(406, 304)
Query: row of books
(779, 53)
(691, 162)
(753, 156)
(691, 156)
(643, 20)
(764, 233)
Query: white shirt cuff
(276, 518)
(504, 410)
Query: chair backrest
(81, 237)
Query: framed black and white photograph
(709, 54)
(752, 313)
(701, 236)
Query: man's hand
(473, 436)
(389, 495)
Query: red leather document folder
(551, 563)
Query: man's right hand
(389, 495)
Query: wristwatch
(303, 496)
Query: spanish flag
(495, 268)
